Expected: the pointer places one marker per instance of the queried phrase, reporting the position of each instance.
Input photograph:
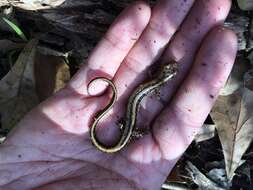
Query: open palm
(51, 148)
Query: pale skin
(51, 148)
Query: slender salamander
(167, 72)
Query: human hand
(51, 148)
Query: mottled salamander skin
(167, 72)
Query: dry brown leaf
(175, 174)
(51, 74)
(43, 74)
(17, 95)
(175, 180)
(233, 116)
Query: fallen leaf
(8, 52)
(4, 3)
(35, 4)
(175, 175)
(17, 94)
(202, 180)
(207, 131)
(245, 4)
(219, 176)
(233, 117)
(174, 186)
(7, 45)
(248, 79)
(51, 74)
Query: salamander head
(168, 70)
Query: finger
(203, 16)
(115, 45)
(166, 18)
(175, 129)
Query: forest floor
(220, 158)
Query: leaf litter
(233, 116)
(23, 87)
(17, 95)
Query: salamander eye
(168, 70)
